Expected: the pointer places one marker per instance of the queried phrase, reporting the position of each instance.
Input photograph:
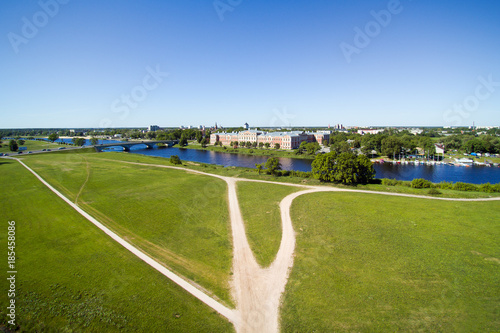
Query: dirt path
(85, 182)
(256, 290)
(186, 284)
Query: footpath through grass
(74, 278)
(375, 263)
(259, 203)
(181, 219)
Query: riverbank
(251, 173)
(268, 152)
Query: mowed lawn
(30, 145)
(74, 278)
(259, 204)
(374, 263)
(179, 218)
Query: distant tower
(216, 125)
(246, 126)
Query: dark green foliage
(273, 165)
(459, 186)
(345, 168)
(420, 183)
(78, 141)
(174, 159)
(434, 191)
(391, 182)
(488, 188)
(13, 145)
(445, 185)
(53, 137)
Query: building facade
(286, 140)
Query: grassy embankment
(179, 218)
(251, 173)
(30, 145)
(259, 205)
(73, 277)
(367, 262)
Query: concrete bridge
(126, 144)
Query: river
(434, 173)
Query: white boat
(464, 160)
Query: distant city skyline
(114, 64)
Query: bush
(390, 182)
(420, 183)
(174, 159)
(445, 185)
(434, 191)
(488, 188)
(459, 186)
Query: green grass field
(179, 218)
(74, 278)
(374, 263)
(363, 262)
(30, 145)
(259, 204)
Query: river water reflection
(434, 173)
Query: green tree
(312, 147)
(345, 168)
(78, 141)
(13, 145)
(204, 142)
(323, 167)
(365, 171)
(53, 137)
(391, 146)
(276, 146)
(94, 141)
(199, 137)
(174, 159)
(184, 140)
(273, 165)
(261, 144)
(475, 146)
(267, 145)
(20, 142)
(340, 147)
(259, 167)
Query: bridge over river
(126, 144)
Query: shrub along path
(257, 290)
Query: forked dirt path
(256, 290)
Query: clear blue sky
(269, 63)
